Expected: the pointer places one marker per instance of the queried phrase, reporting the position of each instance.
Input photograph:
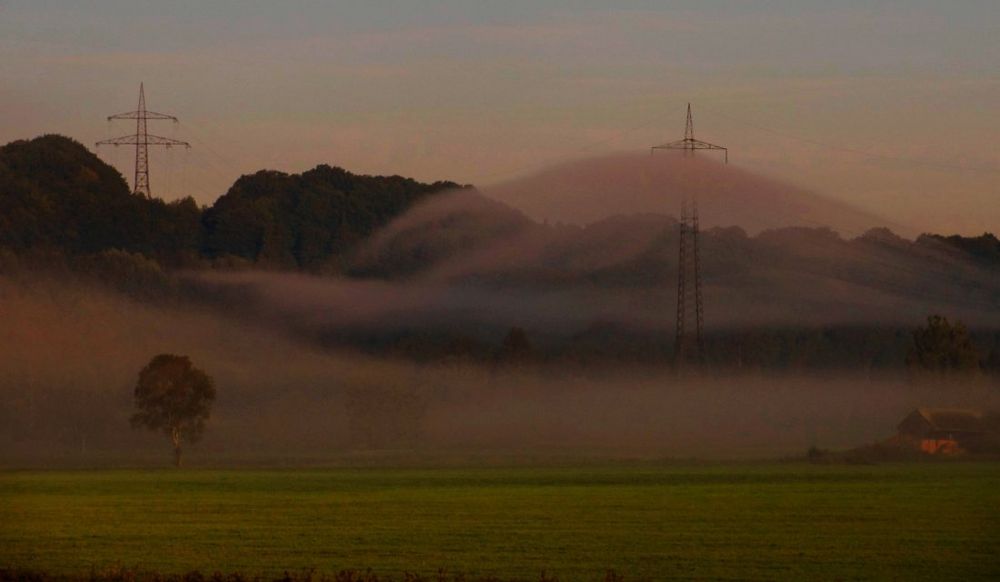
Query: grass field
(918, 521)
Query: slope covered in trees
(305, 220)
(55, 195)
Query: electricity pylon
(689, 349)
(142, 139)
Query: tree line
(948, 346)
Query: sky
(892, 106)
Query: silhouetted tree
(942, 347)
(173, 396)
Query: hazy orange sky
(888, 105)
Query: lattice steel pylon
(689, 349)
(142, 139)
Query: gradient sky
(890, 105)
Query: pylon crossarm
(141, 115)
(688, 145)
(150, 140)
(704, 145)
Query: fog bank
(71, 356)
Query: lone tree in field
(942, 348)
(173, 396)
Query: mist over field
(70, 358)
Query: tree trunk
(175, 437)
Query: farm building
(941, 430)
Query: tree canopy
(174, 397)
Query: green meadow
(932, 521)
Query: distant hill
(306, 220)
(623, 268)
(589, 190)
(56, 195)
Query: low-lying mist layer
(70, 358)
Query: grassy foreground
(920, 521)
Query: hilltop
(56, 195)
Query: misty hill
(447, 227)
(623, 268)
(589, 190)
